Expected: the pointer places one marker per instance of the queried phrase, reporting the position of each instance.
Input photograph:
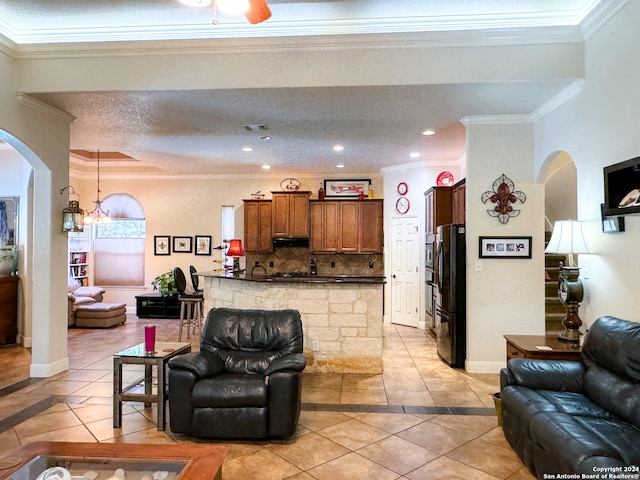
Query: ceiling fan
(256, 11)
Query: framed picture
(346, 188)
(505, 247)
(182, 245)
(203, 244)
(162, 245)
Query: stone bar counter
(342, 316)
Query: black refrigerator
(450, 309)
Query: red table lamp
(236, 250)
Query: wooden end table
(526, 346)
(136, 355)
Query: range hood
(290, 242)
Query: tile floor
(419, 420)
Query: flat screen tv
(622, 188)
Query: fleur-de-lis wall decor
(503, 195)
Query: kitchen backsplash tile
(298, 259)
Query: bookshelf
(78, 267)
(79, 257)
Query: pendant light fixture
(97, 215)
(73, 215)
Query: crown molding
(496, 119)
(295, 28)
(563, 96)
(7, 46)
(599, 15)
(42, 107)
(146, 175)
(204, 45)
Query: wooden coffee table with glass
(184, 462)
(136, 355)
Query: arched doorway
(560, 189)
(560, 180)
(40, 268)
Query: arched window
(119, 245)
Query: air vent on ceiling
(256, 127)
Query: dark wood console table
(8, 309)
(525, 346)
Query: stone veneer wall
(342, 322)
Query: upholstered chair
(246, 380)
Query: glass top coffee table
(136, 355)
(175, 462)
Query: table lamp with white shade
(568, 238)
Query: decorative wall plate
(444, 179)
(290, 185)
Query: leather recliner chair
(246, 380)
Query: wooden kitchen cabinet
(8, 309)
(458, 194)
(437, 210)
(290, 214)
(258, 236)
(325, 220)
(371, 228)
(348, 232)
(346, 226)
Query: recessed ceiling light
(196, 3)
(414, 154)
(340, 165)
(266, 167)
(338, 148)
(266, 138)
(247, 149)
(428, 132)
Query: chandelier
(97, 215)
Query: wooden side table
(136, 355)
(526, 346)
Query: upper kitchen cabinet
(325, 222)
(346, 226)
(371, 228)
(437, 210)
(257, 226)
(458, 194)
(290, 214)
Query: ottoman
(101, 315)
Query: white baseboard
(49, 370)
(473, 366)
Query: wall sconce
(236, 250)
(73, 215)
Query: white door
(405, 273)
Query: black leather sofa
(246, 380)
(565, 417)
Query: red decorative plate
(445, 179)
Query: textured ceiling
(200, 131)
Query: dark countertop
(353, 279)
